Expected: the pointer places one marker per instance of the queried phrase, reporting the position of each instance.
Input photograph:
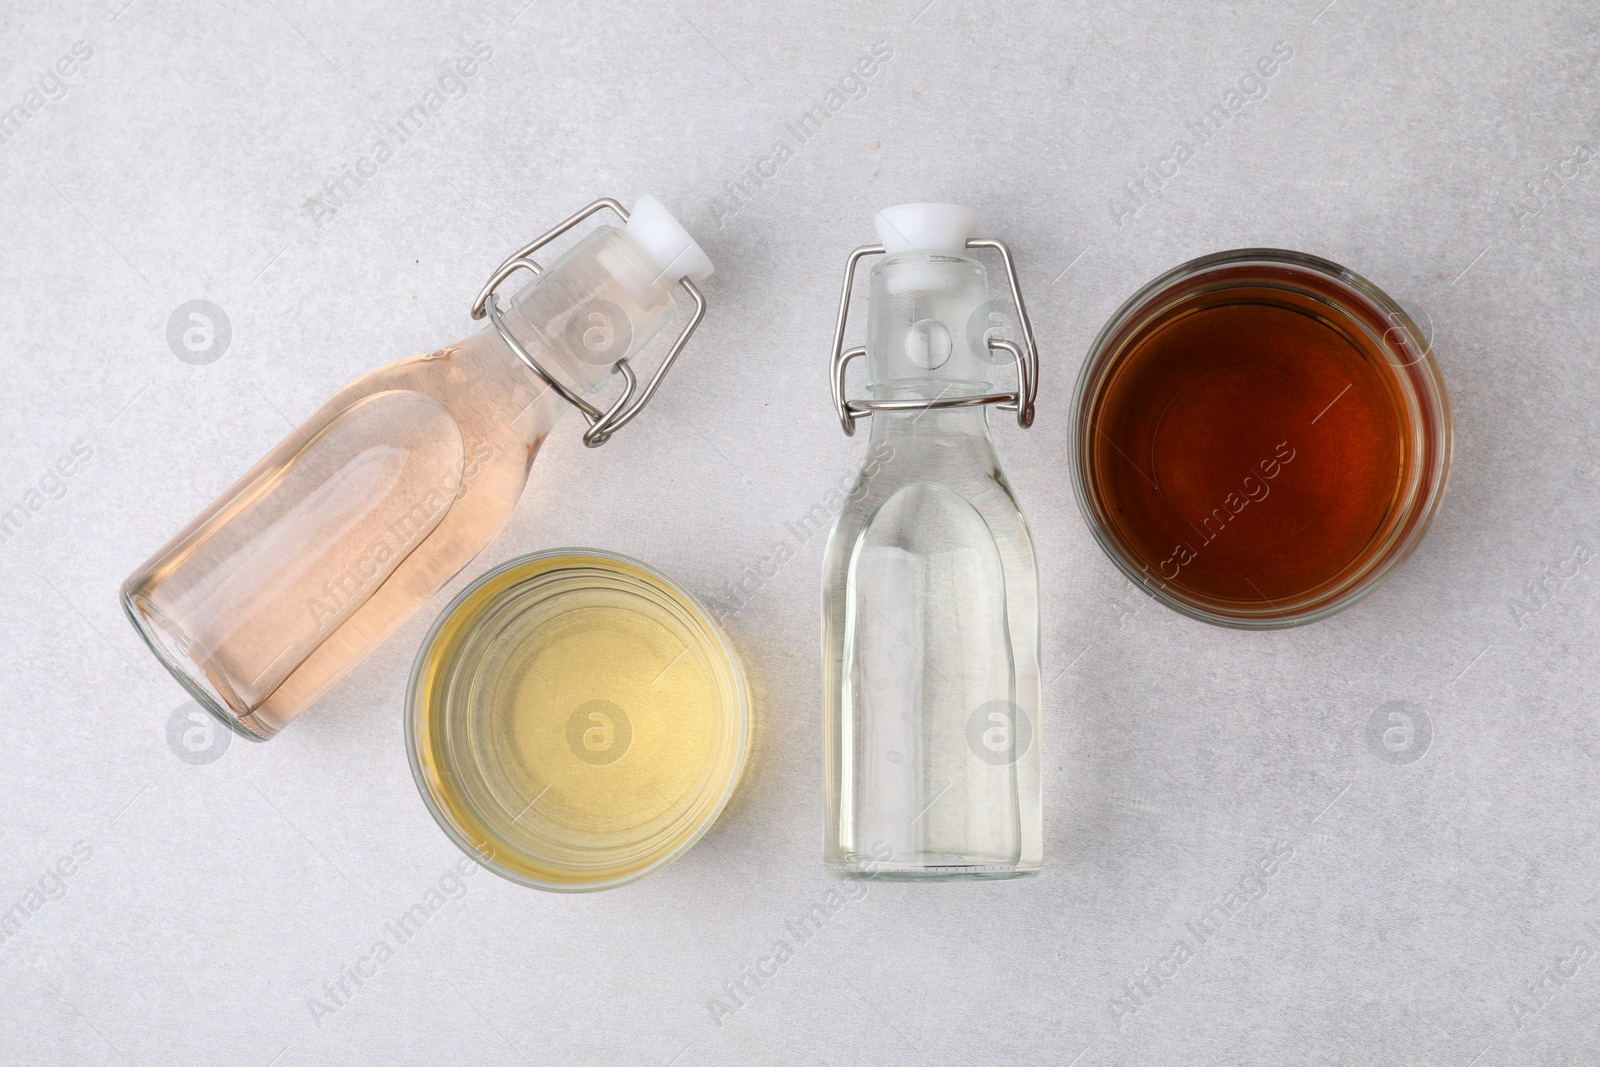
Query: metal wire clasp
(602, 424)
(1027, 360)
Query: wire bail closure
(1026, 359)
(602, 424)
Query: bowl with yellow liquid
(576, 719)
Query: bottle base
(880, 871)
(169, 651)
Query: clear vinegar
(930, 608)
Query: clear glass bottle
(930, 593)
(386, 491)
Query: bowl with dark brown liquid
(1261, 437)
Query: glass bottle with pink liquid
(383, 494)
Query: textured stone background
(1440, 911)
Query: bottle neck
(592, 310)
(929, 426)
(927, 317)
(584, 379)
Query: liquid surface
(599, 710)
(1248, 450)
(577, 724)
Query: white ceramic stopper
(926, 228)
(666, 242)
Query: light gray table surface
(1435, 907)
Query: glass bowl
(1312, 296)
(575, 720)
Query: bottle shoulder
(970, 470)
(962, 458)
(486, 390)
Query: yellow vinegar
(576, 720)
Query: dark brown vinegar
(1249, 447)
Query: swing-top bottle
(386, 491)
(930, 596)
